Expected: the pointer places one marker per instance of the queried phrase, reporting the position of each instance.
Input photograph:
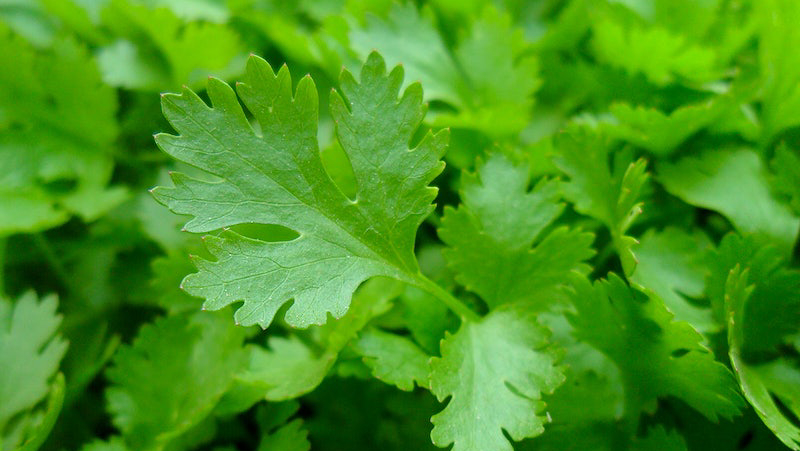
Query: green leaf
(393, 359)
(658, 132)
(786, 166)
(658, 439)
(656, 355)
(659, 54)
(734, 183)
(492, 234)
(292, 367)
(172, 376)
(501, 77)
(154, 49)
(48, 419)
(489, 78)
(409, 38)
(772, 313)
(277, 177)
(778, 64)
(671, 265)
(758, 384)
(494, 372)
(30, 353)
(290, 437)
(608, 193)
(57, 126)
(113, 444)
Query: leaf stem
(3, 244)
(52, 259)
(443, 295)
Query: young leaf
(30, 353)
(656, 355)
(492, 233)
(170, 378)
(494, 372)
(277, 177)
(755, 386)
(734, 183)
(608, 194)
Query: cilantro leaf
(30, 352)
(292, 367)
(277, 177)
(422, 52)
(658, 439)
(290, 437)
(658, 132)
(786, 166)
(171, 377)
(671, 265)
(661, 55)
(488, 77)
(57, 127)
(656, 356)
(393, 359)
(734, 183)
(492, 232)
(758, 383)
(778, 63)
(608, 194)
(494, 372)
(771, 314)
(155, 49)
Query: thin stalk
(3, 243)
(449, 300)
(52, 259)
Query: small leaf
(393, 359)
(491, 236)
(494, 372)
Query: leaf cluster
(381, 224)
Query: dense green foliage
(467, 224)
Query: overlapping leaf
(172, 376)
(656, 355)
(771, 316)
(608, 193)
(759, 382)
(734, 183)
(491, 236)
(489, 77)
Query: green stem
(52, 259)
(443, 295)
(3, 243)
